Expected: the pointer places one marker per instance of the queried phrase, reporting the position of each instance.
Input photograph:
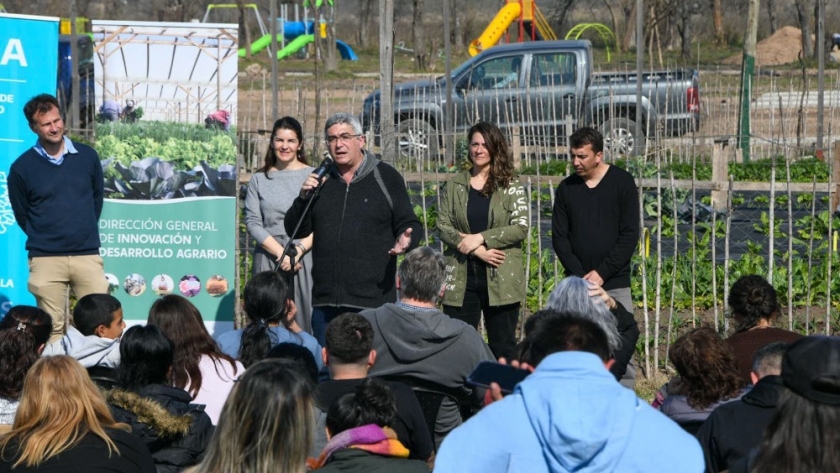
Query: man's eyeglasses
(331, 140)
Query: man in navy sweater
(595, 222)
(56, 192)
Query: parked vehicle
(547, 88)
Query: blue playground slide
(346, 51)
(299, 34)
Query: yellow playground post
(528, 15)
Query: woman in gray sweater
(270, 193)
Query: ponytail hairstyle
(751, 300)
(31, 320)
(266, 302)
(23, 332)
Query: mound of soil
(782, 47)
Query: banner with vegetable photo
(166, 93)
(28, 67)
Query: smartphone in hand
(506, 376)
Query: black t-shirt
(410, 426)
(90, 455)
(478, 211)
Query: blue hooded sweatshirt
(570, 415)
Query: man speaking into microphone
(361, 218)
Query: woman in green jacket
(483, 219)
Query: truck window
(553, 69)
(497, 73)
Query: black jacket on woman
(90, 454)
(175, 431)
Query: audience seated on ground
(735, 428)
(573, 294)
(418, 344)
(63, 425)
(199, 366)
(360, 437)
(268, 303)
(349, 355)
(24, 331)
(754, 307)
(266, 425)
(708, 377)
(569, 415)
(94, 337)
(806, 428)
(175, 431)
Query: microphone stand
(290, 249)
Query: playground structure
(604, 31)
(292, 36)
(532, 25)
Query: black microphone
(321, 171)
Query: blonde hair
(267, 423)
(58, 407)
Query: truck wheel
(417, 141)
(621, 136)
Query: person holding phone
(570, 414)
(483, 219)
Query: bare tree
(804, 10)
(331, 56)
(243, 25)
(685, 10)
(717, 19)
(417, 37)
(458, 25)
(173, 11)
(628, 8)
(362, 32)
(611, 8)
(771, 13)
(559, 12)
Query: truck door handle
(511, 99)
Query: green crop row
(801, 170)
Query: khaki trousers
(51, 276)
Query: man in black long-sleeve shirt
(595, 223)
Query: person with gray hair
(590, 301)
(735, 428)
(361, 219)
(418, 344)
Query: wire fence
(708, 218)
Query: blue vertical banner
(28, 67)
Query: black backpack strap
(378, 176)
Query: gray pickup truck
(543, 87)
